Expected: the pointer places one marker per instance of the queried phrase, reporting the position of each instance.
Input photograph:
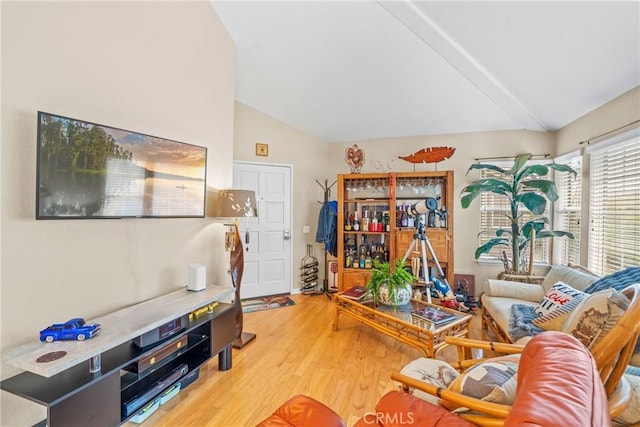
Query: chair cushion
(492, 381)
(558, 384)
(303, 411)
(631, 415)
(574, 277)
(398, 409)
(596, 315)
(556, 306)
(517, 290)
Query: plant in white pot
(389, 286)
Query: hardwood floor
(296, 352)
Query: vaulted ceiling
(353, 70)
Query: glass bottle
(347, 225)
(356, 222)
(404, 218)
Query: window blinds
(568, 212)
(614, 239)
(493, 211)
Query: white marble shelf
(116, 328)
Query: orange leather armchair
(558, 383)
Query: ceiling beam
(416, 20)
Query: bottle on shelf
(404, 218)
(368, 260)
(356, 222)
(348, 225)
(385, 220)
(364, 223)
(364, 246)
(373, 225)
(348, 258)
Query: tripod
(421, 237)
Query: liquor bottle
(431, 219)
(348, 258)
(373, 225)
(368, 261)
(347, 225)
(362, 261)
(398, 216)
(364, 247)
(364, 223)
(404, 219)
(356, 222)
(385, 220)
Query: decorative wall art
(429, 155)
(262, 149)
(354, 156)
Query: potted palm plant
(390, 286)
(524, 186)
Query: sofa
(513, 312)
(500, 295)
(548, 390)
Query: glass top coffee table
(402, 326)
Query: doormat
(266, 303)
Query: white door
(267, 256)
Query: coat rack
(326, 189)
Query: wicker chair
(611, 355)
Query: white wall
(288, 146)
(618, 112)
(161, 68)
(382, 156)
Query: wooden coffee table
(400, 325)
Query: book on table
(434, 315)
(355, 292)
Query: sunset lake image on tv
(86, 170)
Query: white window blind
(568, 212)
(493, 211)
(614, 239)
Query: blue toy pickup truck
(74, 329)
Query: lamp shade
(234, 204)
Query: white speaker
(197, 279)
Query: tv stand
(94, 381)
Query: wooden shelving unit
(371, 195)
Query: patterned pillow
(492, 381)
(556, 306)
(432, 371)
(596, 315)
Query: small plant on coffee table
(397, 282)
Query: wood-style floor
(296, 352)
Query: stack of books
(434, 315)
(357, 293)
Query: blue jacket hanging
(327, 227)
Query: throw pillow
(492, 381)
(596, 315)
(431, 371)
(555, 307)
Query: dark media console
(134, 378)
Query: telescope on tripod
(429, 206)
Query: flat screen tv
(86, 170)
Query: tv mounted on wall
(86, 170)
